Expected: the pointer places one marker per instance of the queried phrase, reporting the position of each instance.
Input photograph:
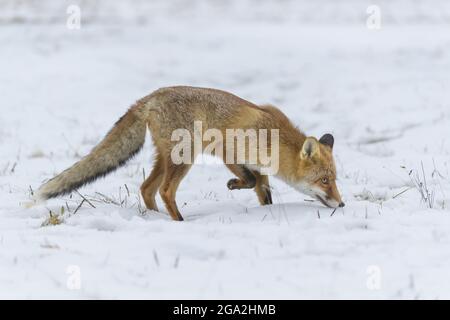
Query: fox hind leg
(152, 183)
(172, 178)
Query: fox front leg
(246, 178)
(262, 188)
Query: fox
(305, 162)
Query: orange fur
(305, 163)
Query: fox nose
(341, 205)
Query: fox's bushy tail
(122, 142)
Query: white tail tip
(36, 200)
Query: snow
(383, 94)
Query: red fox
(305, 163)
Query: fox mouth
(323, 201)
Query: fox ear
(328, 140)
(310, 148)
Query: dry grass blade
(52, 220)
(402, 192)
(155, 257)
(108, 199)
(79, 206)
(333, 212)
(84, 198)
(420, 183)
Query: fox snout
(331, 203)
(330, 197)
(327, 194)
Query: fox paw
(233, 184)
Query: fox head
(317, 172)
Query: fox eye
(325, 180)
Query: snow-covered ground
(385, 95)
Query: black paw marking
(232, 184)
(268, 198)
